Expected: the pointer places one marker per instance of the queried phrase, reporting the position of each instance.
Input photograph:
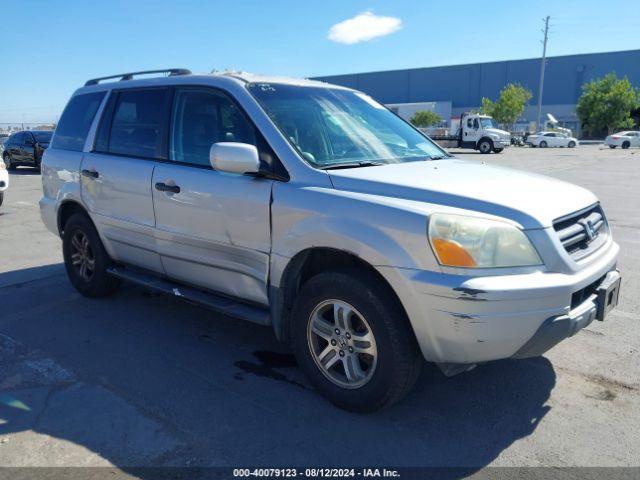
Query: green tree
(509, 106)
(425, 118)
(607, 103)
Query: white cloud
(363, 27)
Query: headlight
(2, 165)
(469, 242)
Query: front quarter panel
(381, 231)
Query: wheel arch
(302, 267)
(482, 139)
(66, 209)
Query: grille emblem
(589, 230)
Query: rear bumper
(460, 319)
(49, 214)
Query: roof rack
(129, 76)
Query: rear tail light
(615, 137)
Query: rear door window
(76, 120)
(137, 128)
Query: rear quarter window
(75, 122)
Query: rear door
(116, 175)
(212, 228)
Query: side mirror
(234, 157)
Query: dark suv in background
(26, 148)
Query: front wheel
(353, 340)
(7, 161)
(1, 198)
(485, 146)
(85, 258)
(543, 144)
(626, 145)
(498, 150)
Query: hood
(497, 131)
(532, 200)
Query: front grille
(582, 232)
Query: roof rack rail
(129, 76)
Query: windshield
(487, 123)
(43, 136)
(331, 127)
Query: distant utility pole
(544, 61)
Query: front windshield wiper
(336, 166)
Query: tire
(485, 146)
(381, 377)
(625, 145)
(498, 150)
(7, 161)
(1, 198)
(572, 144)
(543, 144)
(92, 281)
(612, 147)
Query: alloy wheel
(82, 257)
(342, 344)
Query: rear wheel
(612, 146)
(543, 144)
(85, 258)
(572, 144)
(353, 341)
(498, 150)
(485, 146)
(1, 198)
(626, 144)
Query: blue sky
(69, 41)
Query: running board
(208, 300)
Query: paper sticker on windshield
(369, 100)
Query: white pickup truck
(315, 210)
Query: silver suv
(314, 209)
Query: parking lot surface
(139, 379)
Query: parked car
(315, 210)
(623, 139)
(25, 148)
(551, 139)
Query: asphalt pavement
(140, 379)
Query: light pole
(544, 61)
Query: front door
(116, 176)
(472, 130)
(212, 228)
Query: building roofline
(458, 65)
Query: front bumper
(557, 328)
(502, 143)
(463, 319)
